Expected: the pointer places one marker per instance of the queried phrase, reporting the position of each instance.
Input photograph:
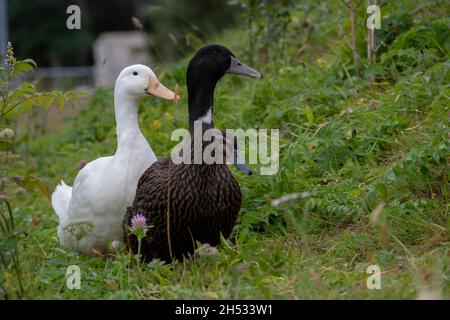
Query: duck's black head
(206, 67)
(210, 63)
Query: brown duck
(191, 202)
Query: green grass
(355, 144)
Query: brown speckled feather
(204, 202)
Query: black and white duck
(189, 203)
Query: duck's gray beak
(239, 161)
(240, 68)
(243, 168)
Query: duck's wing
(150, 201)
(86, 184)
(90, 169)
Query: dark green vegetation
(372, 151)
(173, 26)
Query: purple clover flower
(81, 164)
(138, 221)
(115, 244)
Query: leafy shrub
(17, 97)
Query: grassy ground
(372, 151)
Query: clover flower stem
(139, 251)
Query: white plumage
(106, 186)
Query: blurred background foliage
(177, 27)
(173, 26)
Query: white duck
(105, 187)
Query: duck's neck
(126, 111)
(201, 102)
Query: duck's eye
(135, 73)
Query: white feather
(105, 187)
(60, 200)
(207, 118)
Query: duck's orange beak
(157, 89)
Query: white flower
(7, 134)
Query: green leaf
(31, 183)
(46, 100)
(26, 87)
(382, 191)
(309, 114)
(22, 67)
(5, 145)
(60, 100)
(31, 62)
